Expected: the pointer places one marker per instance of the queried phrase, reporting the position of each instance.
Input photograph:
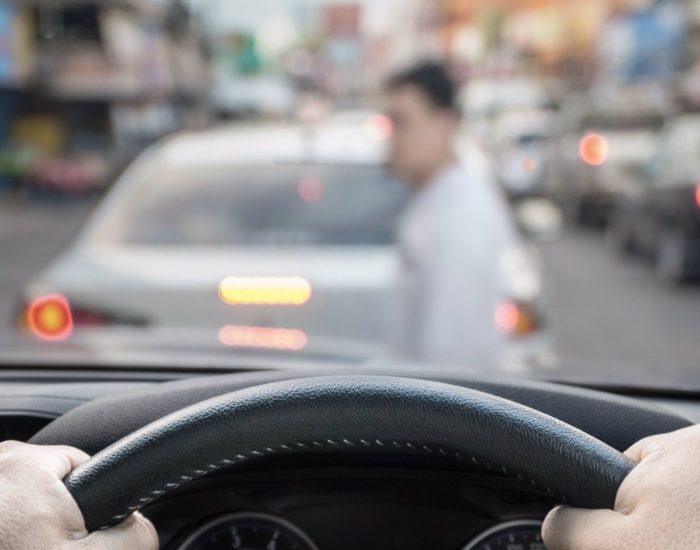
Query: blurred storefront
(343, 47)
(85, 84)
(474, 33)
(642, 38)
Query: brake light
(594, 149)
(263, 338)
(515, 319)
(697, 195)
(270, 291)
(49, 317)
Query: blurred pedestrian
(456, 234)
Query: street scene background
(571, 99)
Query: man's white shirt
(455, 241)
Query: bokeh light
(263, 338)
(514, 320)
(49, 317)
(271, 291)
(379, 128)
(594, 149)
(311, 189)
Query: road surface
(610, 315)
(611, 318)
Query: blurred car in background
(485, 99)
(269, 235)
(660, 217)
(523, 140)
(602, 141)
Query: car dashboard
(348, 508)
(308, 502)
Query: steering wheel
(347, 414)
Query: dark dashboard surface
(351, 508)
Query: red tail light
(49, 317)
(594, 149)
(516, 319)
(697, 195)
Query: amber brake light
(516, 319)
(270, 291)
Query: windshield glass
(276, 205)
(507, 187)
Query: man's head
(422, 105)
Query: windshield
(507, 187)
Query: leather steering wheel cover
(618, 421)
(360, 414)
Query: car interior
(346, 274)
(341, 458)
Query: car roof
(344, 143)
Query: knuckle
(7, 447)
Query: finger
(642, 449)
(59, 459)
(135, 533)
(567, 528)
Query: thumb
(567, 528)
(134, 533)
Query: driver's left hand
(38, 512)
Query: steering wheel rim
(347, 414)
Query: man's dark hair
(432, 79)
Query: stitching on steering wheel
(239, 458)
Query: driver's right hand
(657, 506)
(37, 512)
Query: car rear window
(266, 206)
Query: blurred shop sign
(342, 20)
(6, 71)
(16, 54)
(89, 74)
